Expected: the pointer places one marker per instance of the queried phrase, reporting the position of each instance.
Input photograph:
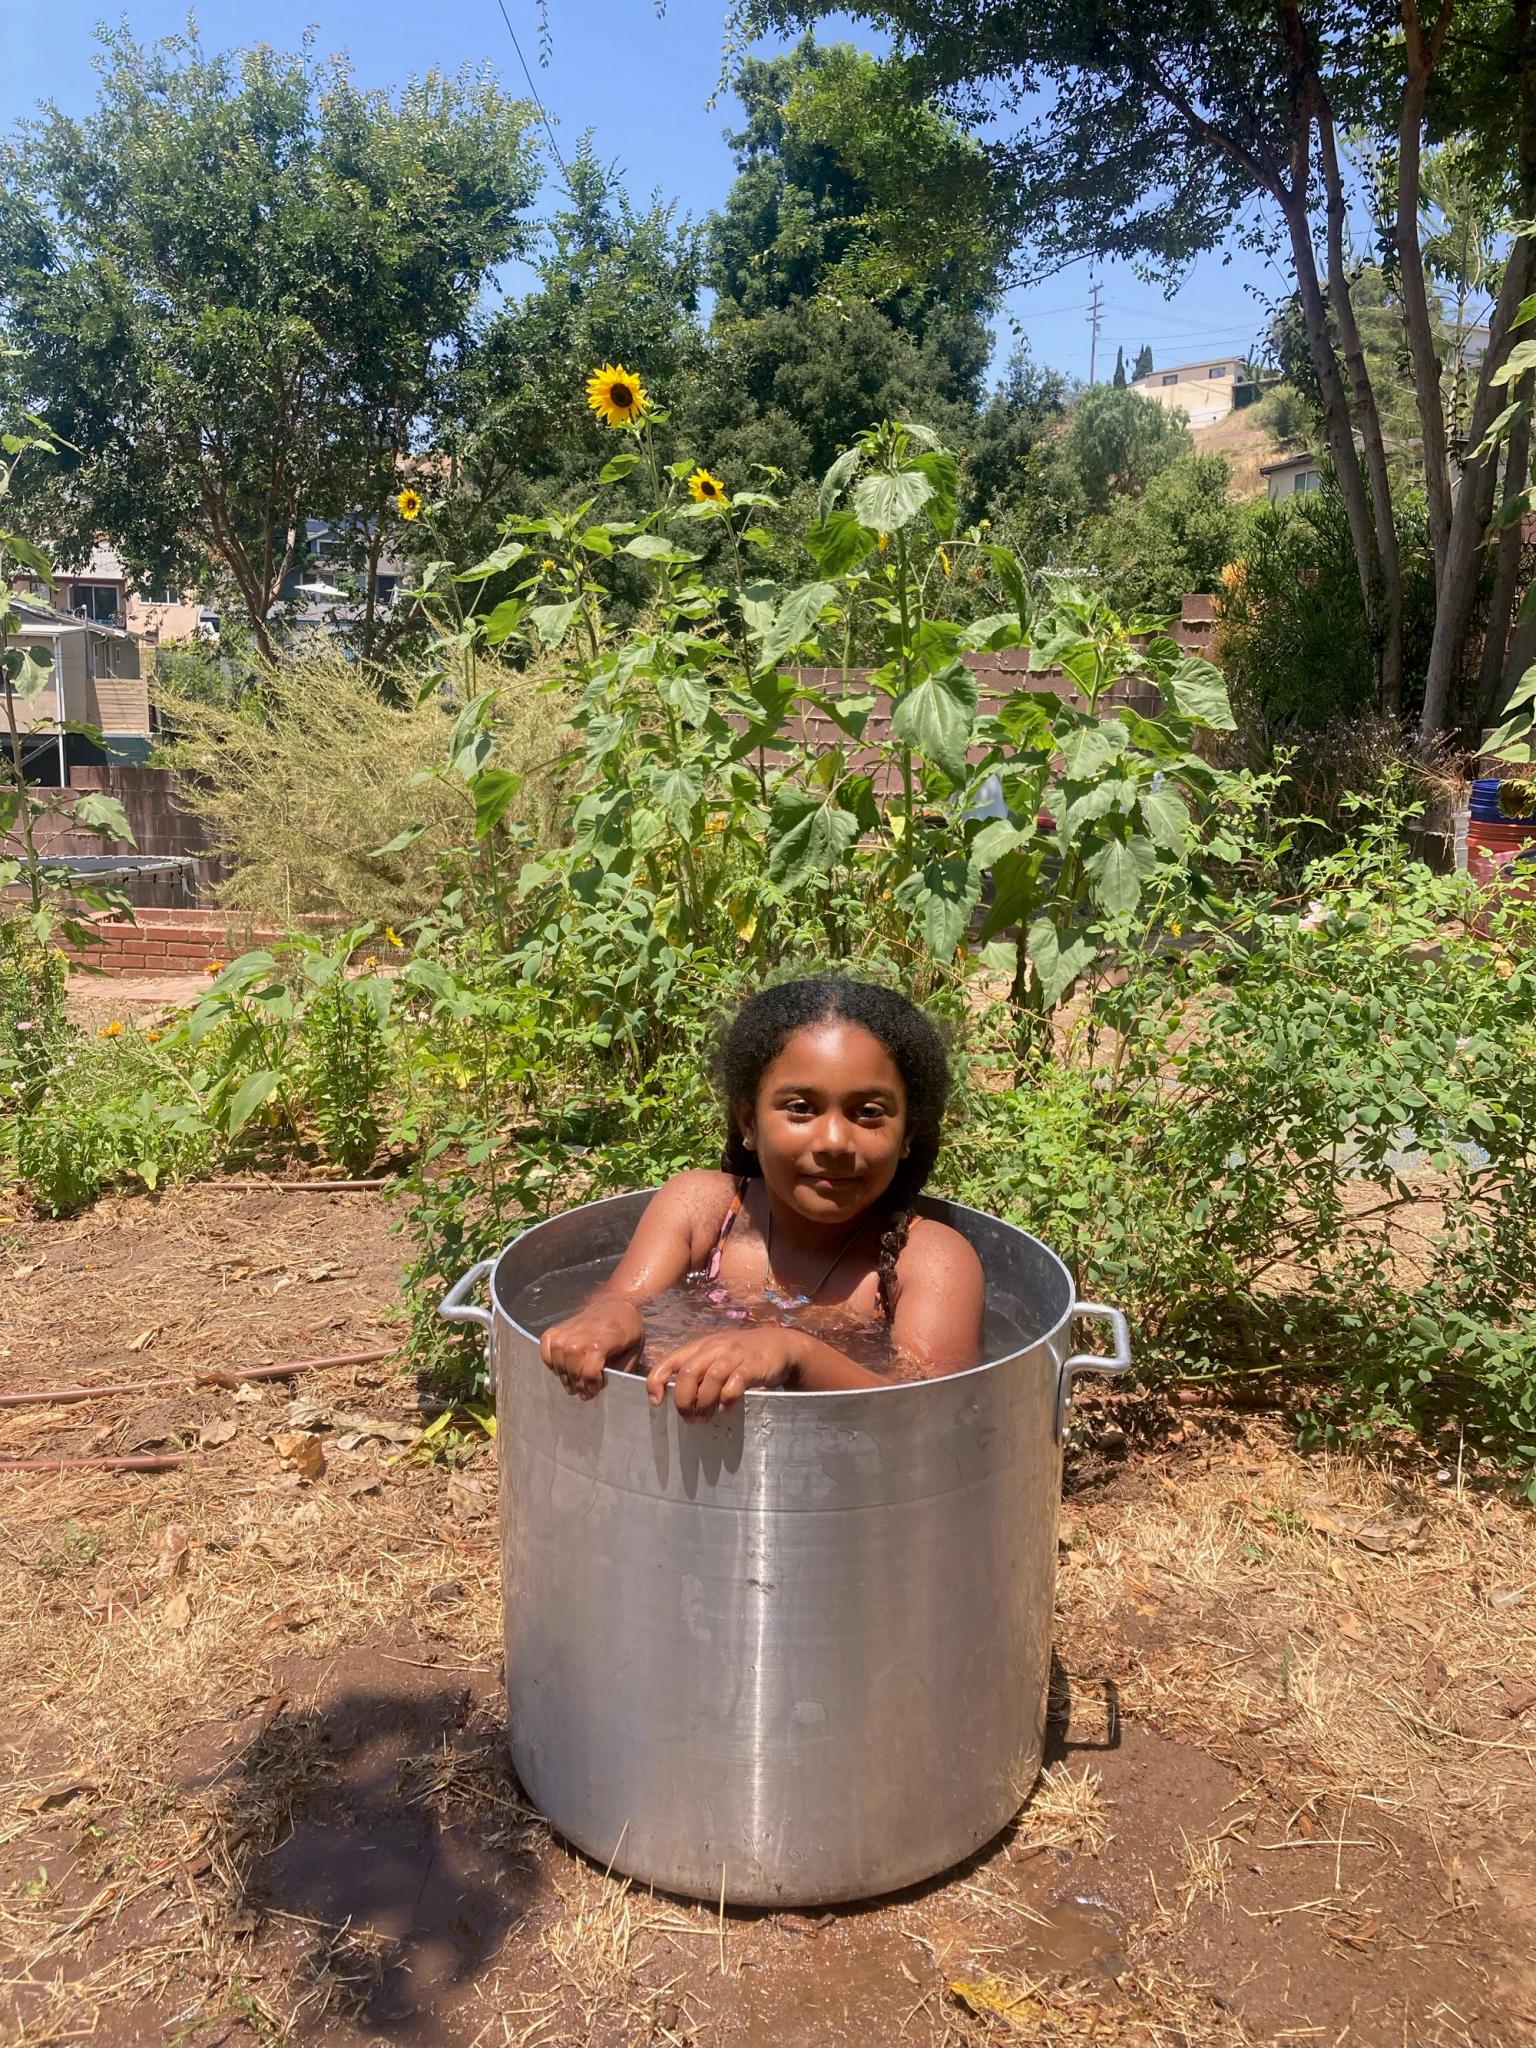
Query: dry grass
(1068, 1811)
(299, 838)
(1298, 1799)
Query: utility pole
(1095, 321)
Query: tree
(617, 283)
(1176, 537)
(849, 185)
(1147, 133)
(237, 287)
(1143, 364)
(1119, 378)
(1028, 408)
(1119, 440)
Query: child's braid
(893, 1242)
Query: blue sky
(642, 82)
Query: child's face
(830, 1121)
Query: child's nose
(834, 1133)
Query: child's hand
(608, 1331)
(714, 1372)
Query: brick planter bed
(170, 941)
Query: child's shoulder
(938, 1249)
(698, 1191)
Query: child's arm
(937, 1323)
(608, 1329)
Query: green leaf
(1166, 817)
(942, 896)
(1197, 689)
(997, 629)
(888, 502)
(1519, 719)
(839, 543)
(832, 483)
(997, 837)
(688, 694)
(553, 621)
(807, 835)
(937, 718)
(28, 553)
(104, 814)
(504, 620)
(1087, 750)
(253, 1091)
(1058, 958)
(650, 547)
(494, 564)
(794, 622)
(943, 473)
(1118, 870)
(1526, 310)
(615, 467)
(1522, 357)
(401, 840)
(678, 790)
(1109, 793)
(597, 539)
(493, 790)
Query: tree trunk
(1421, 57)
(1390, 678)
(1337, 425)
(1456, 587)
(1506, 572)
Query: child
(834, 1095)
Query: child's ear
(746, 1120)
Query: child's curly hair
(765, 1023)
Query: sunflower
(112, 1030)
(945, 563)
(705, 489)
(409, 503)
(615, 396)
(392, 936)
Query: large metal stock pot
(798, 1653)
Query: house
(1206, 391)
(323, 591)
(1290, 475)
(104, 592)
(95, 680)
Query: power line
(1095, 321)
(548, 124)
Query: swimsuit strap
(712, 1270)
(846, 1246)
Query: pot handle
(453, 1308)
(1091, 1361)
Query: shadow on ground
(374, 1832)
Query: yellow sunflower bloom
(409, 503)
(883, 542)
(392, 937)
(215, 966)
(112, 1030)
(616, 396)
(705, 489)
(944, 562)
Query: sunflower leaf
(615, 467)
(887, 502)
(943, 472)
(650, 547)
(832, 483)
(1057, 958)
(553, 621)
(807, 835)
(794, 622)
(937, 718)
(839, 543)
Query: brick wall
(170, 941)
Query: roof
(1233, 356)
(34, 617)
(1302, 459)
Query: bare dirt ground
(254, 1790)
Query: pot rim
(778, 1395)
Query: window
(1171, 377)
(1220, 370)
(97, 601)
(1309, 480)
